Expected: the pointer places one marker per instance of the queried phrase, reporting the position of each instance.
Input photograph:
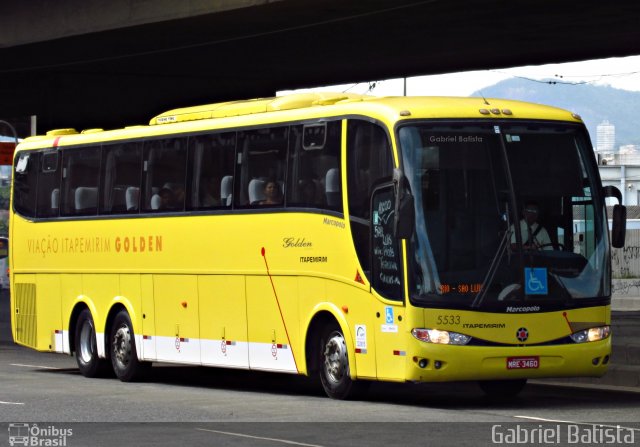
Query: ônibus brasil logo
(33, 435)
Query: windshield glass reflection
(471, 248)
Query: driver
(534, 236)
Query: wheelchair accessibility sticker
(388, 314)
(535, 281)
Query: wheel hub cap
(335, 358)
(122, 346)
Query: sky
(622, 73)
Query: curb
(573, 384)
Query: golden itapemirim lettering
(50, 246)
(138, 244)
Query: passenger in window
(210, 193)
(171, 198)
(271, 193)
(178, 197)
(166, 199)
(308, 192)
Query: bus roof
(421, 107)
(304, 106)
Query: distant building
(606, 137)
(628, 149)
(626, 177)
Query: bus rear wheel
(502, 388)
(86, 347)
(124, 357)
(334, 365)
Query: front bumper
(456, 363)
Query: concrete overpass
(90, 63)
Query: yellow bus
(346, 236)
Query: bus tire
(502, 388)
(124, 357)
(334, 365)
(86, 347)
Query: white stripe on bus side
(222, 353)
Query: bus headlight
(591, 334)
(440, 337)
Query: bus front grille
(25, 314)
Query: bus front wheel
(502, 388)
(334, 365)
(89, 363)
(124, 357)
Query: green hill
(594, 103)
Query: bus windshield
(474, 187)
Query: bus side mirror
(619, 218)
(405, 214)
(619, 226)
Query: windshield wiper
(505, 242)
(493, 268)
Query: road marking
(533, 418)
(33, 366)
(11, 403)
(242, 435)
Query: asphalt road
(207, 406)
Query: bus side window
(211, 161)
(314, 180)
(24, 183)
(165, 162)
(369, 162)
(121, 171)
(48, 184)
(80, 180)
(261, 162)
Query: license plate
(523, 362)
